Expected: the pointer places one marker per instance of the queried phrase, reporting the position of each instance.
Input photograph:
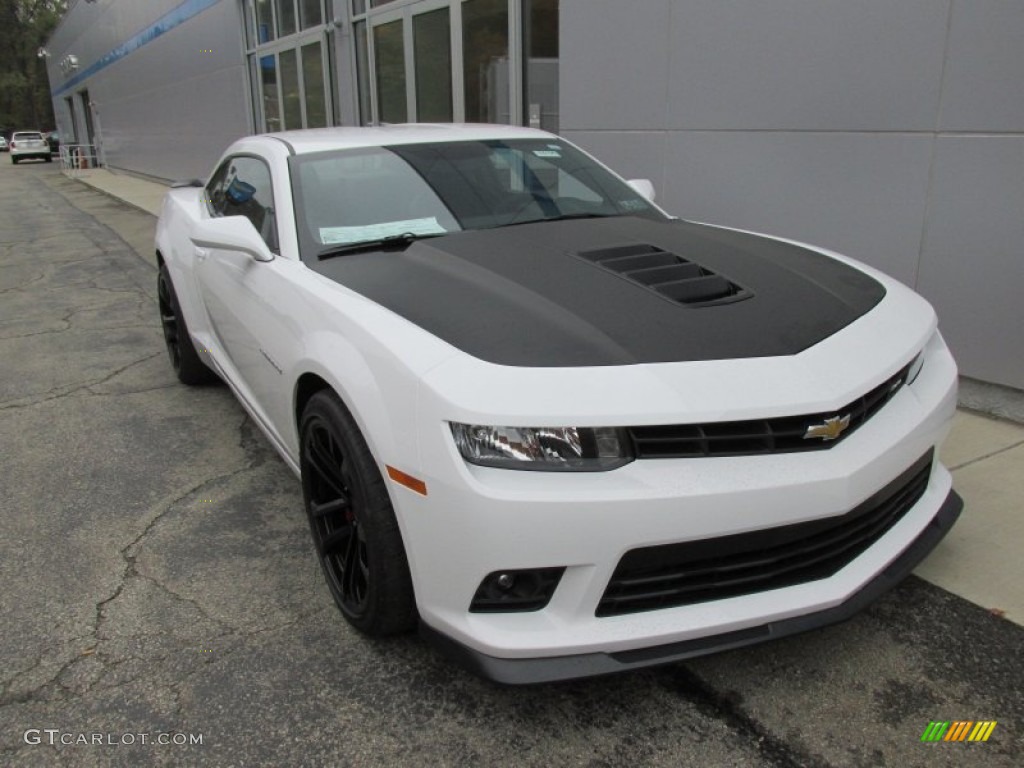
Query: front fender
(179, 210)
(381, 395)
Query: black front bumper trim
(553, 668)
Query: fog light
(506, 580)
(511, 591)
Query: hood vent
(671, 276)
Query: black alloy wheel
(352, 521)
(188, 366)
(168, 319)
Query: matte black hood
(587, 292)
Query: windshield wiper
(391, 241)
(562, 217)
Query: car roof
(322, 139)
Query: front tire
(188, 366)
(353, 524)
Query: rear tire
(188, 366)
(353, 524)
(14, 160)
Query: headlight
(552, 449)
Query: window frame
(295, 41)
(406, 10)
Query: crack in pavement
(71, 389)
(90, 393)
(142, 302)
(33, 241)
(128, 572)
(24, 285)
(136, 290)
(54, 263)
(779, 752)
(51, 331)
(37, 333)
(129, 552)
(7, 698)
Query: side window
(241, 187)
(215, 190)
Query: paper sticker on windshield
(345, 235)
(547, 153)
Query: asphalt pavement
(159, 585)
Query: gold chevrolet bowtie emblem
(830, 429)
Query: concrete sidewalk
(145, 195)
(981, 560)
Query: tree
(25, 26)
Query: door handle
(201, 254)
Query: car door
(236, 290)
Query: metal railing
(78, 157)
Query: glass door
(432, 57)
(313, 68)
(441, 60)
(270, 97)
(388, 52)
(412, 53)
(487, 65)
(288, 64)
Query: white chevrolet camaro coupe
(561, 431)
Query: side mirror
(230, 233)
(644, 187)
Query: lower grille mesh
(713, 569)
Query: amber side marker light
(408, 481)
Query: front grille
(714, 569)
(757, 436)
(673, 277)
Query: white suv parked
(29, 144)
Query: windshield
(27, 137)
(362, 195)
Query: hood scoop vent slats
(671, 276)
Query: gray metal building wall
(890, 131)
(168, 108)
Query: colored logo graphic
(959, 730)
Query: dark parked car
(53, 139)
